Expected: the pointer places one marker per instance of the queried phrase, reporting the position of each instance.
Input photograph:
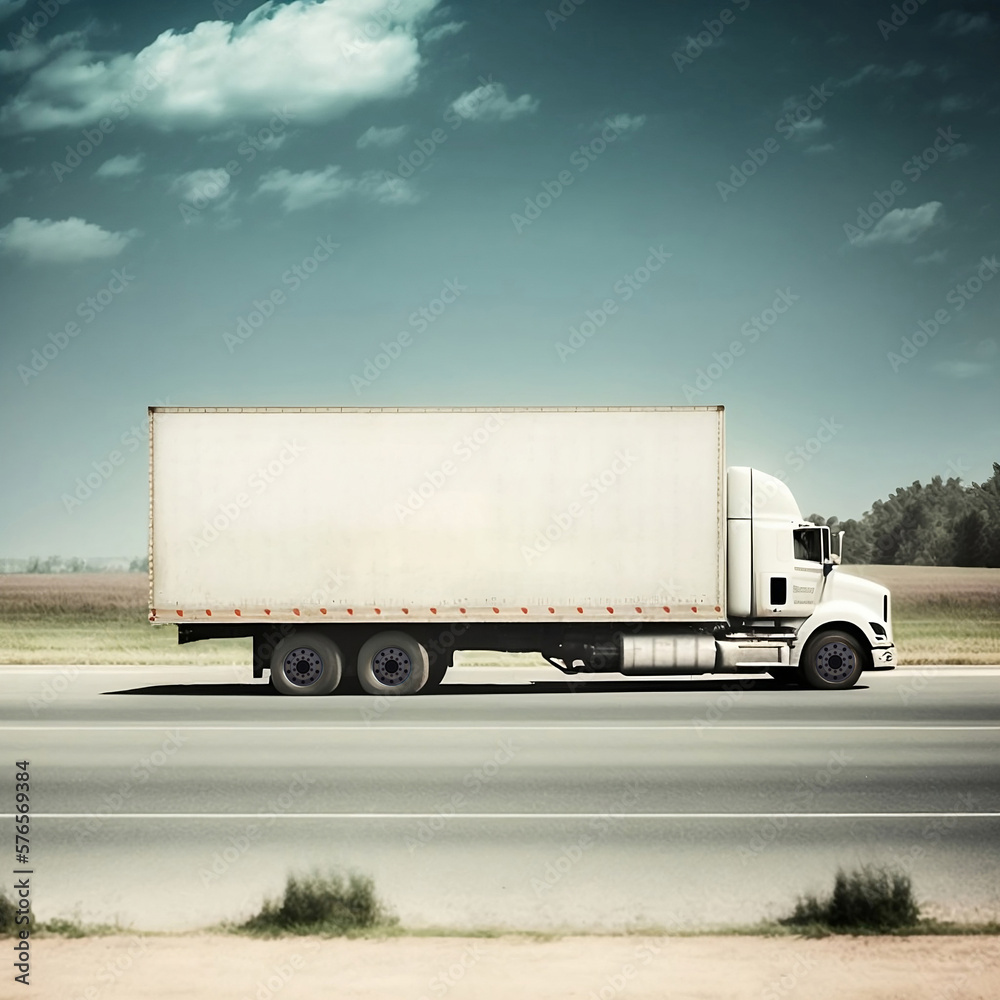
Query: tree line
(941, 524)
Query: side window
(808, 544)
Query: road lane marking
(388, 728)
(511, 815)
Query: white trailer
(362, 547)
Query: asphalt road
(173, 798)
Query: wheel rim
(835, 661)
(302, 667)
(392, 666)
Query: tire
(393, 663)
(437, 670)
(787, 675)
(832, 661)
(306, 663)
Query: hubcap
(835, 662)
(302, 667)
(391, 666)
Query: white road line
(512, 815)
(388, 728)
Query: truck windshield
(808, 544)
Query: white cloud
(317, 58)
(21, 58)
(952, 104)
(491, 103)
(383, 137)
(935, 257)
(70, 240)
(958, 23)
(201, 185)
(443, 31)
(624, 123)
(962, 369)
(9, 7)
(7, 177)
(807, 129)
(120, 166)
(873, 71)
(902, 225)
(826, 147)
(316, 187)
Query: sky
(788, 209)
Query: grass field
(941, 615)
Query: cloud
(382, 137)
(317, 59)
(935, 257)
(10, 7)
(120, 166)
(317, 187)
(962, 369)
(826, 147)
(70, 240)
(27, 56)
(902, 225)
(443, 31)
(874, 71)
(623, 123)
(952, 104)
(201, 185)
(958, 23)
(491, 103)
(807, 129)
(7, 177)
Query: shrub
(325, 904)
(867, 899)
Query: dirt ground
(633, 968)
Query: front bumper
(883, 658)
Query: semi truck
(361, 548)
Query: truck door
(810, 549)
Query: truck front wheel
(831, 661)
(392, 663)
(306, 663)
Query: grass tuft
(865, 900)
(321, 904)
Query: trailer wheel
(306, 663)
(393, 663)
(831, 661)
